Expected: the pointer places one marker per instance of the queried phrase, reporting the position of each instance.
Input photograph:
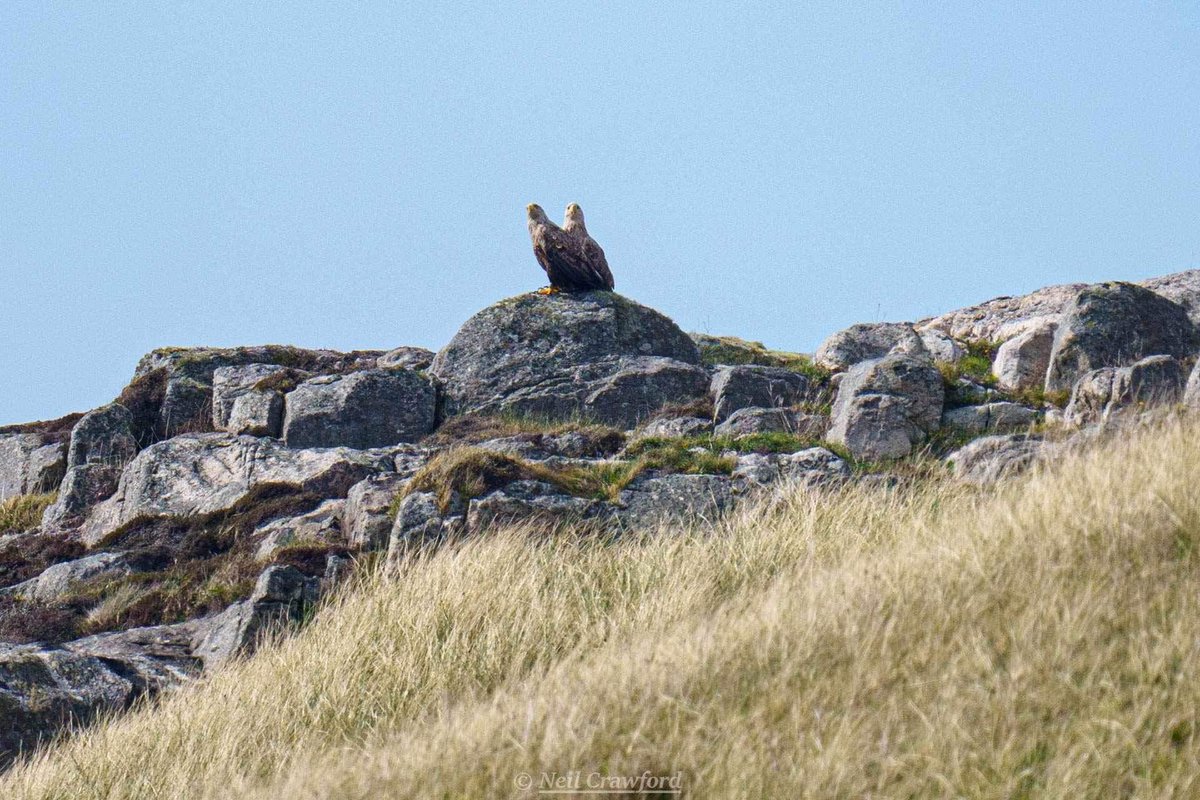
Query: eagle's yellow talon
(548, 290)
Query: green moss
(732, 350)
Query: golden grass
(24, 511)
(1039, 641)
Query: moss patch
(55, 430)
(732, 350)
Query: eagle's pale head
(574, 216)
(535, 212)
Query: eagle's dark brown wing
(593, 256)
(562, 258)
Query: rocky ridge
(226, 490)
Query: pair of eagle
(572, 259)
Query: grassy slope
(1041, 642)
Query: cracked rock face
(886, 406)
(370, 408)
(198, 474)
(1114, 325)
(561, 356)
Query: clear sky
(355, 175)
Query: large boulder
(887, 405)
(991, 458)
(83, 487)
(867, 341)
(1101, 393)
(249, 398)
(44, 689)
(1002, 318)
(737, 387)
(282, 595)
(103, 436)
(202, 474)
(30, 464)
(60, 579)
(1000, 416)
(563, 356)
(1022, 361)
(371, 408)
(172, 387)
(1180, 287)
(366, 518)
(652, 500)
(1113, 325)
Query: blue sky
(354, 176)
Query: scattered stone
(83, 487)
(734, 388)
(677, 428)
(1115, 324)
(1000, 319)
(942, 349)
(867, 341)
(372, 408)
(887, 405)
(637, 387)
(29, 465)
(1022, 361)
(652, 500)
(560, 356)
(366, 518)
(186, 407)
(420, 521)
(813, 467)
(1101, 393)
(406, 358)
(748, 421)
(200, 474)
(530, 501)
(990, 417)
(44, 689)
(61, 579)
(990, 458)
(322, 525)
(103, 436)
(281, 596)
(249, 398)
(1180, 287)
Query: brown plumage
(593, 254)
(572, 261)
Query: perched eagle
(572, 259)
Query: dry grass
(1037, 642)
(24, 511)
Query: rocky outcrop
(868, 341)
(83, 487)
(199, 474)
(885, 406)
(563, 356)
(992, 458)
(44, 689)
(1102, 393)
(1022, 361)
(406, 358)
(1002, 416)
(372, 408)
(1000, 319)
(281, 597)
(749, 421)
(366, 518)
(1113, 325)
(103, 436)
(60, 579)
(322, 525)
(815, 466)
(1179, 287)
(738, 387)
(249, 398)
(30, 464)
